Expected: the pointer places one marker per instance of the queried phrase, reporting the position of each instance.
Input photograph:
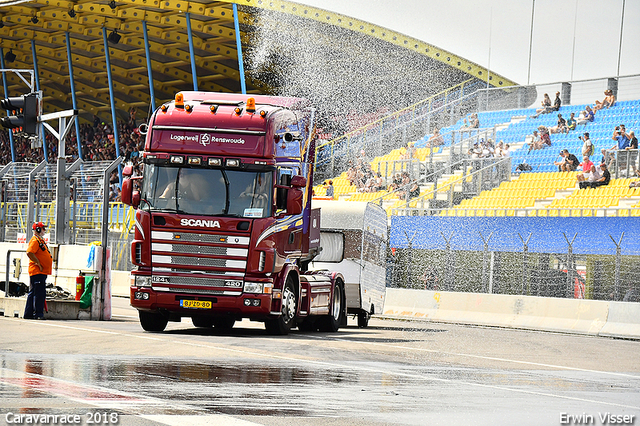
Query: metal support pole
(105, 232)
(616, 281)
(525, 263)
(6, 95)
(116, 140)
(37, 78)
(149, 70)
(570, 267)
(410, 261)
(31, 194)
(73, 92)
(236, 22)
(448, 275)
(484, 261)
(191, 54)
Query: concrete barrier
(120, 283)
(56, 309)
(592, 317)
(623, 321)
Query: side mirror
(298, 181)
(294, 201)
(135, 199)
(127, 171)
(127, 190)
(128, 195)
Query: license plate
(196, 304)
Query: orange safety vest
(38, 247)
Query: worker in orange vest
(40, 263)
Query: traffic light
(25, 114)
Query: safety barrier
(579, 316)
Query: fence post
(525, 263)
(410, 261)
(484, 261)
(570, 267)
(448, 275)
(616, 281)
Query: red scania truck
(224, 228)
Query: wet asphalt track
(390, 373)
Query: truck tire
(363, 319)
(202, 322)
(152, 321)
(280, 326)
(223, 323)
(331, 323)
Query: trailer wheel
(331, 322)
(280, 326)
(363, 319)
(153, 322)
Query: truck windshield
(207, 191)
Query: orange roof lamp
(251, 105)
(179, 103)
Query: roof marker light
(213, 108)
(188, 108)
(251, 105)
(164, 108)
(263, 113)
(179, 100)
(238, 110)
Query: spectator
(608, 101)
(587, 145)
(536, 142)
(568, 162)
(557, 103)
(435, 140)
(546, 106)
(604, 179)
(583, 178)
(560, 127)
(622, 139)
(633, 147)
(409, 152)
(586, 116)
(474, 122)
(545, 138)
(330, 189)
(414, 190)
(571, 122)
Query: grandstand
(542, 191)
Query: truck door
(291, 240)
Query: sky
(572, 39)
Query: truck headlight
(252, 287)
(142, 281)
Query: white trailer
(353, 241)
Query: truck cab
(223, 216)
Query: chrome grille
(198, 238)
(193, 290)
(198, 261)
(197, 249)
(191, 281)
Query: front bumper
(148, 299)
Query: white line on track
(326, 364)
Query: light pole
(533, 8)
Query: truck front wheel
(151, 321)
(332, 321)
(280, 326)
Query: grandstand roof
(352, 57)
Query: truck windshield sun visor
(207, 192)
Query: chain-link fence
(565, 275)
